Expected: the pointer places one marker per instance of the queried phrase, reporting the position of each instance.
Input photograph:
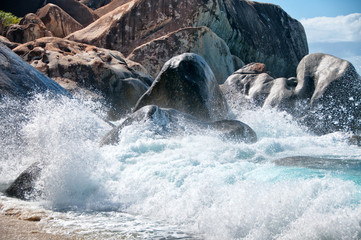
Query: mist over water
(196, 184)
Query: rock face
(57, 21)
(252, 83)
(163, 122)
(80, 12)
(253, 31)
(110, 7)
(332, 87)
(89, 67)
(29, 29)
(24, 185)
(186, 83)
(18, 78)
(200, 40)
(325, 96)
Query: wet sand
(11, 227)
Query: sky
(332, 26)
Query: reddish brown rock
(57, 21)
(30, 28)
(77, 10)
(199, 40)
(7, 43)
(110, 7)
(254, 32)
(88, 67)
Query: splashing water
(192, 186)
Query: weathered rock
(355, 140)
(110, 7)
(325, 96)
(166, 122)
(253, 31)
(94, 4)
(186, 83)
(125, 95)
(18, 78)
(57, 21)
(7, 43)
(29, 29)
(331, 86)
(89, 66)
(24, 185)
(80, 12)
(235, 130)
(250, 84)
(21, 7)
(200, 40)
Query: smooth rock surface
(186, 83)
(80, 12)
(332, 89)
(18, 78)
(165, 121)
(253, 31)
(24, 185)
(200, 40)
(57, 21)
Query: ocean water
(192, 186)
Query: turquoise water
(188, 186)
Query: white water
(195, 186)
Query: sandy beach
(11, 227)
(20, 220)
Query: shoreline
(12, 227)
(21, 220)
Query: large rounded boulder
(200, 40)
(168, 122)
(186, 83)
(332, 88)
(18, 78)
(57, 21)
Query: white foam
(200, 184)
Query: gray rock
(18, 78)
(124, 95)
(24, 185)
(249, 85)
(253, 31)
(200, 40)
(187, 84)
(167, 122)
(57, 21)
(330, 87)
